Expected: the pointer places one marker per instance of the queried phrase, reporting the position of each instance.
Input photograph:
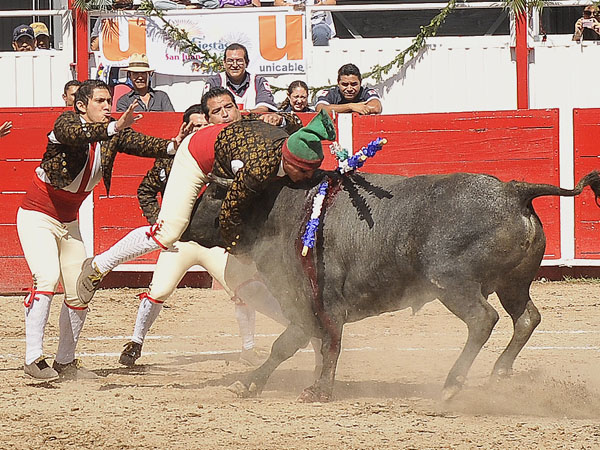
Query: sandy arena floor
(387, 394)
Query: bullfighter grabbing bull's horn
(388, 243)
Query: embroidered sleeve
(262, 163)
(292, 122)
(69, 130)
(153, 183)
(138, 144)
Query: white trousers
(184, 184)
(54, 252)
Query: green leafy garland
(214, 63)
(180, 37)
(88, 5)
(377, 72)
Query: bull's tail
(529, 191)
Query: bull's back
(390, 242)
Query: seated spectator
(95, 35)
(321, 22)
(297, 98)
(42, 35)
(178, 4)
(212, 4)
(252, 92)
(588, 26)
(5, 128)
(147, 99)
(123, 4)
(69, 92)
(349, 95)
(23, 39)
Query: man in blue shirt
(349, 96)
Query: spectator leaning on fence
(297, 98)
(147, 99)
(252, 92)
(23, 39)
(349, 95)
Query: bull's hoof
(449, 392)
(502, 373)
(242, 391)
(310, 395)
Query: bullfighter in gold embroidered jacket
(265, 150)
(171, 266)
(155, 179)
(81, 150)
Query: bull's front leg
(322, 389)
(285, 346)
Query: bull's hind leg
(525, 316)
(284, 347)
(467, 303)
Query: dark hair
(86, 90)
(194, 109)
(69, 84)
(214, 92)
(236, 46)
(293, 85)
(349, 69)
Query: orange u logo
(267, 31)
(110, 38)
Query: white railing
(37, 78)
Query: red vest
(202, 146)
(57, 203)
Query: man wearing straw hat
(147, 99)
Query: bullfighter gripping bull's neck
(388, 243)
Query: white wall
(37, 78)
(451, 74)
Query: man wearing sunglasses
(252, 92)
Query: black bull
(388, 243)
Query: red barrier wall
(512, 145)
(20, 153)
(586, 136)
(519, 145)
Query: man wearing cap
(251, 152)
(146, 98)
(42, 35)
(23, 39)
